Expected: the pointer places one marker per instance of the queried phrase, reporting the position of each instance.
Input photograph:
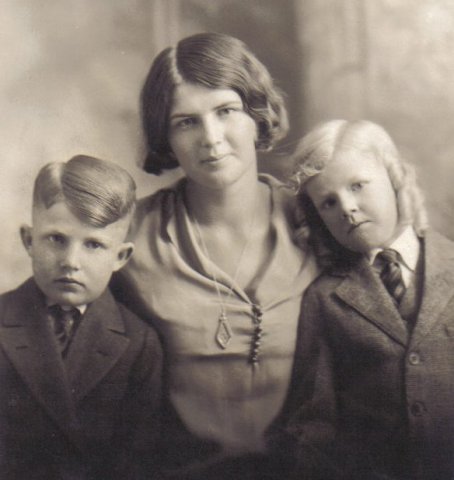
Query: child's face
(72, 260)
(355, 199)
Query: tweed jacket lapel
(98, 343)
(363, 290)
(438, 283)
(27, 339)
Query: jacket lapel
(438, 283)
(28, 340)
(363, 290)
(98, 343)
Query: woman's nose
(212, 131)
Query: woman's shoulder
(160, 197)
(283, 197)
(159, 206)
(277, 186)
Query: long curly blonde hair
(320, 146)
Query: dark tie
(391, 274)
(65, 321)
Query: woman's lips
(214, 158)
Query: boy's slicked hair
(98, 192)
(320, 146)
(212, 60)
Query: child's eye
(57, 239)
(357, 186)
(94, 245)
(328, 203)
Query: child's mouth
(68, 281)
(356, 225)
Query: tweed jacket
(371, 398)
(92, 415)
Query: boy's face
(72, 260)
(355, 199)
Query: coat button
(417, 409)
(414, 358)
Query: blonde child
(372, 394)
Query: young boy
(373, 384)
(80, 375)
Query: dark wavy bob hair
(212, 60)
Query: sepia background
(71, 72)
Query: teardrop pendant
(224, 332)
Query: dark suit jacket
(93, 415)
(369, 398)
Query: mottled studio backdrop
(71, 71)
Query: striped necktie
(391, 274)
(65, 321)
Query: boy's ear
(27, 237)
(123, 255)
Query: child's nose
(348, 204)
(70, 258)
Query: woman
(216, 269)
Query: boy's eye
(357, 186)
(94, 245)
(56, 238)
(328, 203)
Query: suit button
(414, 358)
(417, 409)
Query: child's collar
(406, 244)
(80, 308)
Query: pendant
(224, 332)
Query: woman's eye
(225, 111)
(185, 123)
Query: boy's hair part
(98, 192)
(319, 147)
(212, 60)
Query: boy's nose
(348, 205)
(70, 258)
(212, 131)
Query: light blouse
(219, 394)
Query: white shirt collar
(81, 308)
(407, 245)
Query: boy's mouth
(354, 226)
(68, 281)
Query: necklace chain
(224, 332)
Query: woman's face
(211, 135)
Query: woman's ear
(123, 255)
(26, 235)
